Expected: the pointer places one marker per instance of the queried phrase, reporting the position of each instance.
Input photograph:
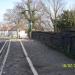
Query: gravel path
(48, 61)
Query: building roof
(11, 28)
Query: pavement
(48, 61)
(38, 57)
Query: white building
(11, 31)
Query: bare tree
(35, 12)
(13, 16)
(29, 11)
(53, 8)
(24, 11)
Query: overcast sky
(9, 4)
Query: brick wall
(63, 41)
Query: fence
(63, 41)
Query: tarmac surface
(38, 58)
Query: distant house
(11, 31)
(3, 31)
(22, 34)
